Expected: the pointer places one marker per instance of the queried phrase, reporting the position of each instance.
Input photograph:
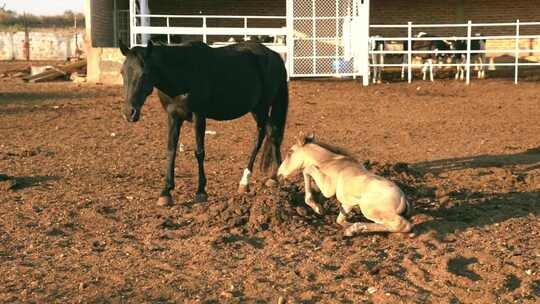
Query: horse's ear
(149, 48)
(123, 48)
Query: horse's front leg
(174, 125)
(200, 129)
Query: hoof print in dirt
(271, 183)
(169, 224)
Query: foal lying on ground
(336, 173)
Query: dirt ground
(79, 185)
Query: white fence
(204, 29)
(516, 51)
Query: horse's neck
(166, 80)
(317, 154)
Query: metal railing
(205, 30)
(516, 51)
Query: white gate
(328, 38)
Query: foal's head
(294, 161)
(138, 79)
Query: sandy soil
(79, 223)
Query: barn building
(109, 20)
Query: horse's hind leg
(275, 128)
(261, 117)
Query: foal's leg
(174, 125)
(323, 182)
(200, 129)
(395, 224)
(342, 217)
(309, 195)
(261, 118)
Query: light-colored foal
(336, 173)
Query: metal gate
(328, 38)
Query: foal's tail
(271, 153)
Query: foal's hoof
(165, 201)
(348, 233)
(243, 189)
(201, 198)
(271, 183)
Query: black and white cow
(377, 59)
(438, 55)
(477, 59)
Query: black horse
(196, 82)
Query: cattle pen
(469, 29)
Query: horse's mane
(333, 148)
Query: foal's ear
(309, 138)
(123, 48)
(306, 138)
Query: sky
(43, 7)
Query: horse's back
(243, 76)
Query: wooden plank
(57, 71)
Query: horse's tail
(275, 128)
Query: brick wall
(382, 12)
(454, 11)
(102, 23)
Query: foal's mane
(333, 148)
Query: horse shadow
(56, 96)
(466, 209)
(477, 210)
(529, 159)
(15, 183)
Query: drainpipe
(145, 21)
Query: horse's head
(294, 161)
(138, 79)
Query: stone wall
(43, 45)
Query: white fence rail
(205, 30)
(409, 65)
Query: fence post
(468, 66)
(290, 39)
(168, 34)
(517, 53)
(204, 28)
(409, 51)
(245, 28)
(132, 23)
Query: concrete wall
(43, 45)
(104, 65)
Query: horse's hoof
(165, 201)
(201, 198)
(243, 189)
(271, 183)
